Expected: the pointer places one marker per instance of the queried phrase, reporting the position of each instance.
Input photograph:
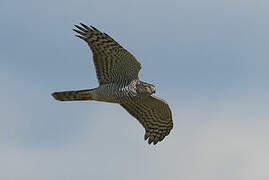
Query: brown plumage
(81, 95)
(117, 72)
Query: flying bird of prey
(117, 72)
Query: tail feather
(82, 95)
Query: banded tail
(81, 95)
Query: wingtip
(154, 143)
(82, 24)
(80, 32)
(77, 26)
(85, 26)
(153, 139)
(81, 37)
(150, 140)
(146, 136)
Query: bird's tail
(81, 95)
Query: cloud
(211, 139)
(208, 60)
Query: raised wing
(112, 62)
(155, 116)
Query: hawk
(117, 72)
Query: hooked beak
(153, 89)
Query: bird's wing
(155, 116)
(112, 62)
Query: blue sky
(208, 59)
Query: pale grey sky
(208, 59)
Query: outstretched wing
(154, 114)
(112, 62)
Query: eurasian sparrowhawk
(117, 72)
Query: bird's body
(116, 92)
(112, 92)
(117, 72)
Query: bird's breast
(116, 92)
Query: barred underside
(117, 72)
(154, 114)
(112, 62)
(119, 92)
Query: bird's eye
(148, 88)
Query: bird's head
(145, 88)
